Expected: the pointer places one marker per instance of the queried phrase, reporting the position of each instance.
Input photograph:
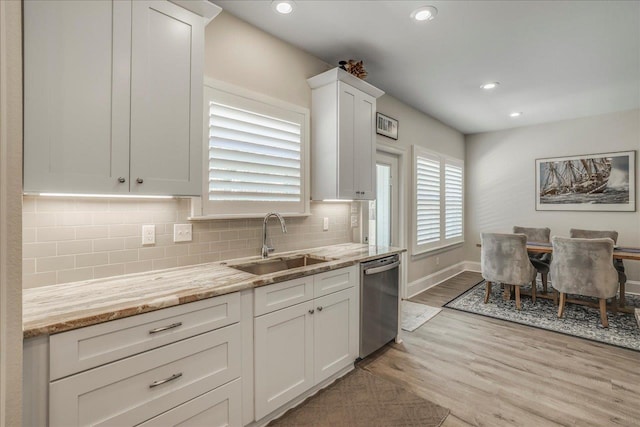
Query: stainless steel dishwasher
(378, 303)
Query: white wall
(10, 218)
(501, 178)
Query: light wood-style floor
(490, 372)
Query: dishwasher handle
(384, 268)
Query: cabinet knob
(122, 180)
(319, 308)
(139, 180)
(311, 311)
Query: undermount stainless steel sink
(278, 264)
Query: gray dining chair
(504, 259)
(584, 267)
(540, 261)
(617, 263)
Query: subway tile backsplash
(72, 239)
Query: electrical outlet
(148, 234)
(354, 220)
(325, 224)
(182, 233)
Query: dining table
(619, 252)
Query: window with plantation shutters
(438, 201)
(256, 154)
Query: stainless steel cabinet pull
(164, 328)
(166, 380)
(319, 308)
(311, 311)
(139, 180)
(122, 180)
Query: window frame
(442, 242)
(262, 104)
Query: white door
(384, 216)
(335, 332)
(283, 356)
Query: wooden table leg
(534, 289)
(622, 292)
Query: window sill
(423, 253)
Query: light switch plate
(148, 234)
(325, 224)
(182, 233)
(354, 220)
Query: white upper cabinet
(113, 97)
(343, 136)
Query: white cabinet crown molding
(338, 74)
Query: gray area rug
(364, 399)
(415, 314)
(578, 320)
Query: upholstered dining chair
(584, 267)
(540, 261)
(504, 259)
(617, 263)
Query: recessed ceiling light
(424, 13)
(491, 85)
(284, 7)
(515, 114)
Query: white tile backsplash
(71, 239)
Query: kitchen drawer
(284, 294)
(136, 389)
(335, 280)
(81, 349)
(217, 408)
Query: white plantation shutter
(453, 200)
(255, 157)
(438, 215)
(427, 200)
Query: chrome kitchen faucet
(265, 248)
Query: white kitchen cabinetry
(113, 97)
(192, 369)
(343, 136)
(307, 342)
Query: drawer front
(280, 295)
(136, 389)
(85, 348)
(335, 280)
(217, 408)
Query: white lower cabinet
(302, 345)
(190, 374)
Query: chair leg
(544, 282)
(563, 299)
(555, 297)
(506, 293)
(603, 312)
(518, 306)
(534, 286)
(487, 292)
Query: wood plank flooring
(490, 372)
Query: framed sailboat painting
(592, 182)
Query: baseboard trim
(632, 287)
(424, 283)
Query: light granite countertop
(59, 308)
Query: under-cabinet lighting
(337, 200)
(104, 196)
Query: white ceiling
(554, 60)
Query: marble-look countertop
(59, 308)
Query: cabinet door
(335, 332)
(76, 96)
(347, 105)
(365, 147)
(283, 356)
(166, 99)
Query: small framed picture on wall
(386, 126)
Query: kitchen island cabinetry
(343, 144)
(305, 343)
(112, 97)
